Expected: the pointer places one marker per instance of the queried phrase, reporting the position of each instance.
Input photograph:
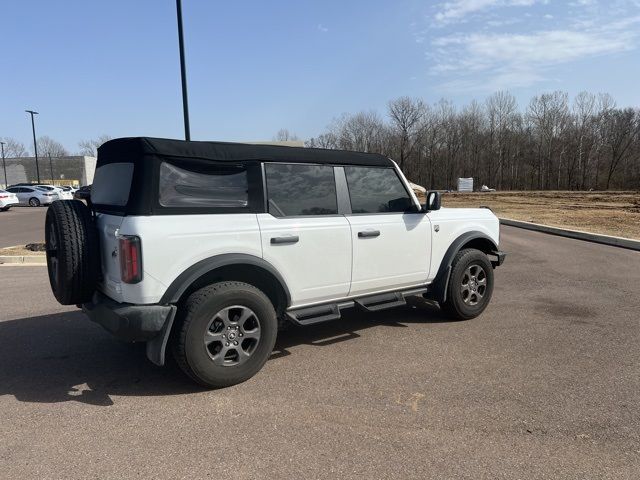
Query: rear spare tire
(73, 254)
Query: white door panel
(317, 266)
(397, 257)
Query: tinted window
(13, 190)
(376, 190)
(214, 186)
(301, 190)
(111, 184)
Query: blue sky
(93, 68)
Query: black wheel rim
(232, 336)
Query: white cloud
(322, 28)
(456, 10)
(505, 60)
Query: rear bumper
(131, 323)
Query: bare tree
(407, 117)
(13, 148)
(621, 129)
(593, 144)
(501, 111)
(285, 135)
(49, 146)
(324, 140)
(89, 148)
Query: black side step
(331, 311)
(313, 315)
(381, 302)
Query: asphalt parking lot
(545, 384)
(22, 225)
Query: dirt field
(609, 213)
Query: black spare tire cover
(73, 253)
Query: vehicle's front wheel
(226, 333)
(470, 285)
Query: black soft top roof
(134, 148)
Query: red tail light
(130, 258)
(4, 196)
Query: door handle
(369, 234)
(284, 240)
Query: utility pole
(35, 144)
(50, 167)
(6, 183)
(183, 73)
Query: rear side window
(111, 184)
(301, 190)
(376, 190)
(216, 186)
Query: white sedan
(7, 200)
(62, 194)
(33, 196)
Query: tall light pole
(50, 167)
(35, 144)
(183, 73)
(6, 183)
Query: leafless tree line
(49, 146)
(554, 144)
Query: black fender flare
(156, 347)
(180, 285)
(440, 284)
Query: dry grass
(609, 213)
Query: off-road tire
(455, 306)
(73, 253)
(194, 317)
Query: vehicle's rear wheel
(470, 285)
(73, 254)
(226, 333)
(34, 202)
(5, 209)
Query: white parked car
(33, 196)
(70, 189)
(210, 247)
(7, 200)
(59, 191)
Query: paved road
(546, 384)
(22, 225)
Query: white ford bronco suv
(209, 247)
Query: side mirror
(433, 201)
(83, 193)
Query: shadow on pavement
(65, 357)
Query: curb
(23, 259)
(620, 242)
